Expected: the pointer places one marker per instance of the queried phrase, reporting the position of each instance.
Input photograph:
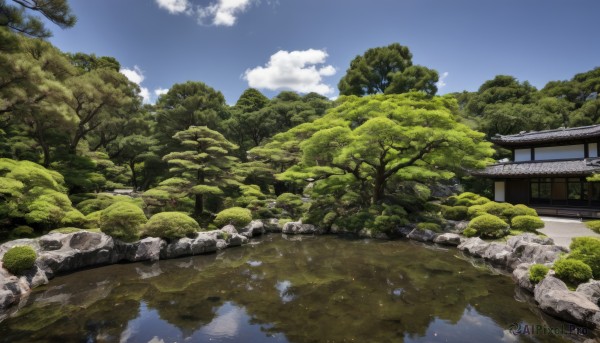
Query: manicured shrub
(489, 226)
(593, 225)
(463, 202)
(171, 225)
(22, 231)
(455, 213)
(572, 271)
(527, 223)
(93, 220)
(474, 211)
(74, 218)
(66, 230)
(450, 201)
(18, 259)
(292, 203)
(236, 216)
(429, 226)
(538, 272)
(122, 220)
(470, 232)
(587, 250)
(468, 195)
(480, 201)
(498, 209)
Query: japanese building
(548, 171)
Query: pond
(302, 289)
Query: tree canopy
(19, 16)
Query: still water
(302, 289)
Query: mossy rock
(455, 213)
(19, 259)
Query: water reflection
(309, 290)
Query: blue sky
(307, 45)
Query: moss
(122, 220)
(66, 230)
(593, 225)
(292, 203)
(538, 272)
(22, 231)
(455, 213)
(489, 226)
(281, 223)
(429, 226)
(18, 259)
(469, 232)
(170, 225)
(587, 250)
(572, 271)
(526, 223)
(74, 218)
(236, 216)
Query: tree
(205, 168)
(387, 70)
(371, 147)
(501, 89)
(188, 104)
(16, 17)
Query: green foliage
(572, 271)
(526, 223)
(429, 226)
(470, 232)
(292, 203)
(282, 221)
(66, 230)
(236, 216)
(170, 225)
(123, 221)
(489, 226)
(538, 272)
(22, 231)
(21, 20)
(593, 225)
(455, 212)
(587, 250)
(74, 218)
(19, 259)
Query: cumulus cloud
(295, 70)
(136, 75)
(160, 91)
(174, 6)
(442, 81)
(222, 12)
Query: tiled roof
(562, 134)
(559, 168)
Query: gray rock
(203, 242)
(253, 229)
(221, 244)
(19, 242)
(229, 229)
(590, 290)
(497, 253)
(447, 239)
(421, 235)
(148, 249)
(7, 298)
(34, 277)
(403, 231)
(296, 228)
(521, 276)
(528, 237)
(458, 225)
(271, 225)
(52, 241)
(10, 289)
(554, 298)
(525, 252)
(236, 240)
(474, 246)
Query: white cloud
(136, 75)
(442, 81)
(160, 91)
(222, 12)
(174, 6)
(296, 70)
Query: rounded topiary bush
(572, 271)
(22, 231)
(526, 223)
(474, 211)
(236, 216)
(18, 259)
(538, 272)
(455, 213)
(489, 226)
(122, 220)
(66, 230)
(593, 225)
(429, 226)
(499, 209)
(171, 225)
(469, 232)
(587, 250)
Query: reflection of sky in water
(254, 263)
(231, 324)
(283, 288)
(472, 327)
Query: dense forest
(73, 129)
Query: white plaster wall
(499, 191)
(522, 155)
(593, 149)
(559, 152)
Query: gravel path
(562, 230)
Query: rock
(447, 239)
(525, 252)
(497, 253)
(254, 228)
(34, 277)
(19, 242)
(221, 244)
(271, 225)
(590, 290)
(554, 298)
(474, 246)
(7, 298)
(148, 249)
(521, 276)
(229, 229)
(527, 238)
(203, 242)
(421, 235)
(403, 231)
(458, 225)
(52, 241)
(236, 240)
(10, 289)
(366, 233)
(296, 228)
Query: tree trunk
(199, 205)
(378, 189)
